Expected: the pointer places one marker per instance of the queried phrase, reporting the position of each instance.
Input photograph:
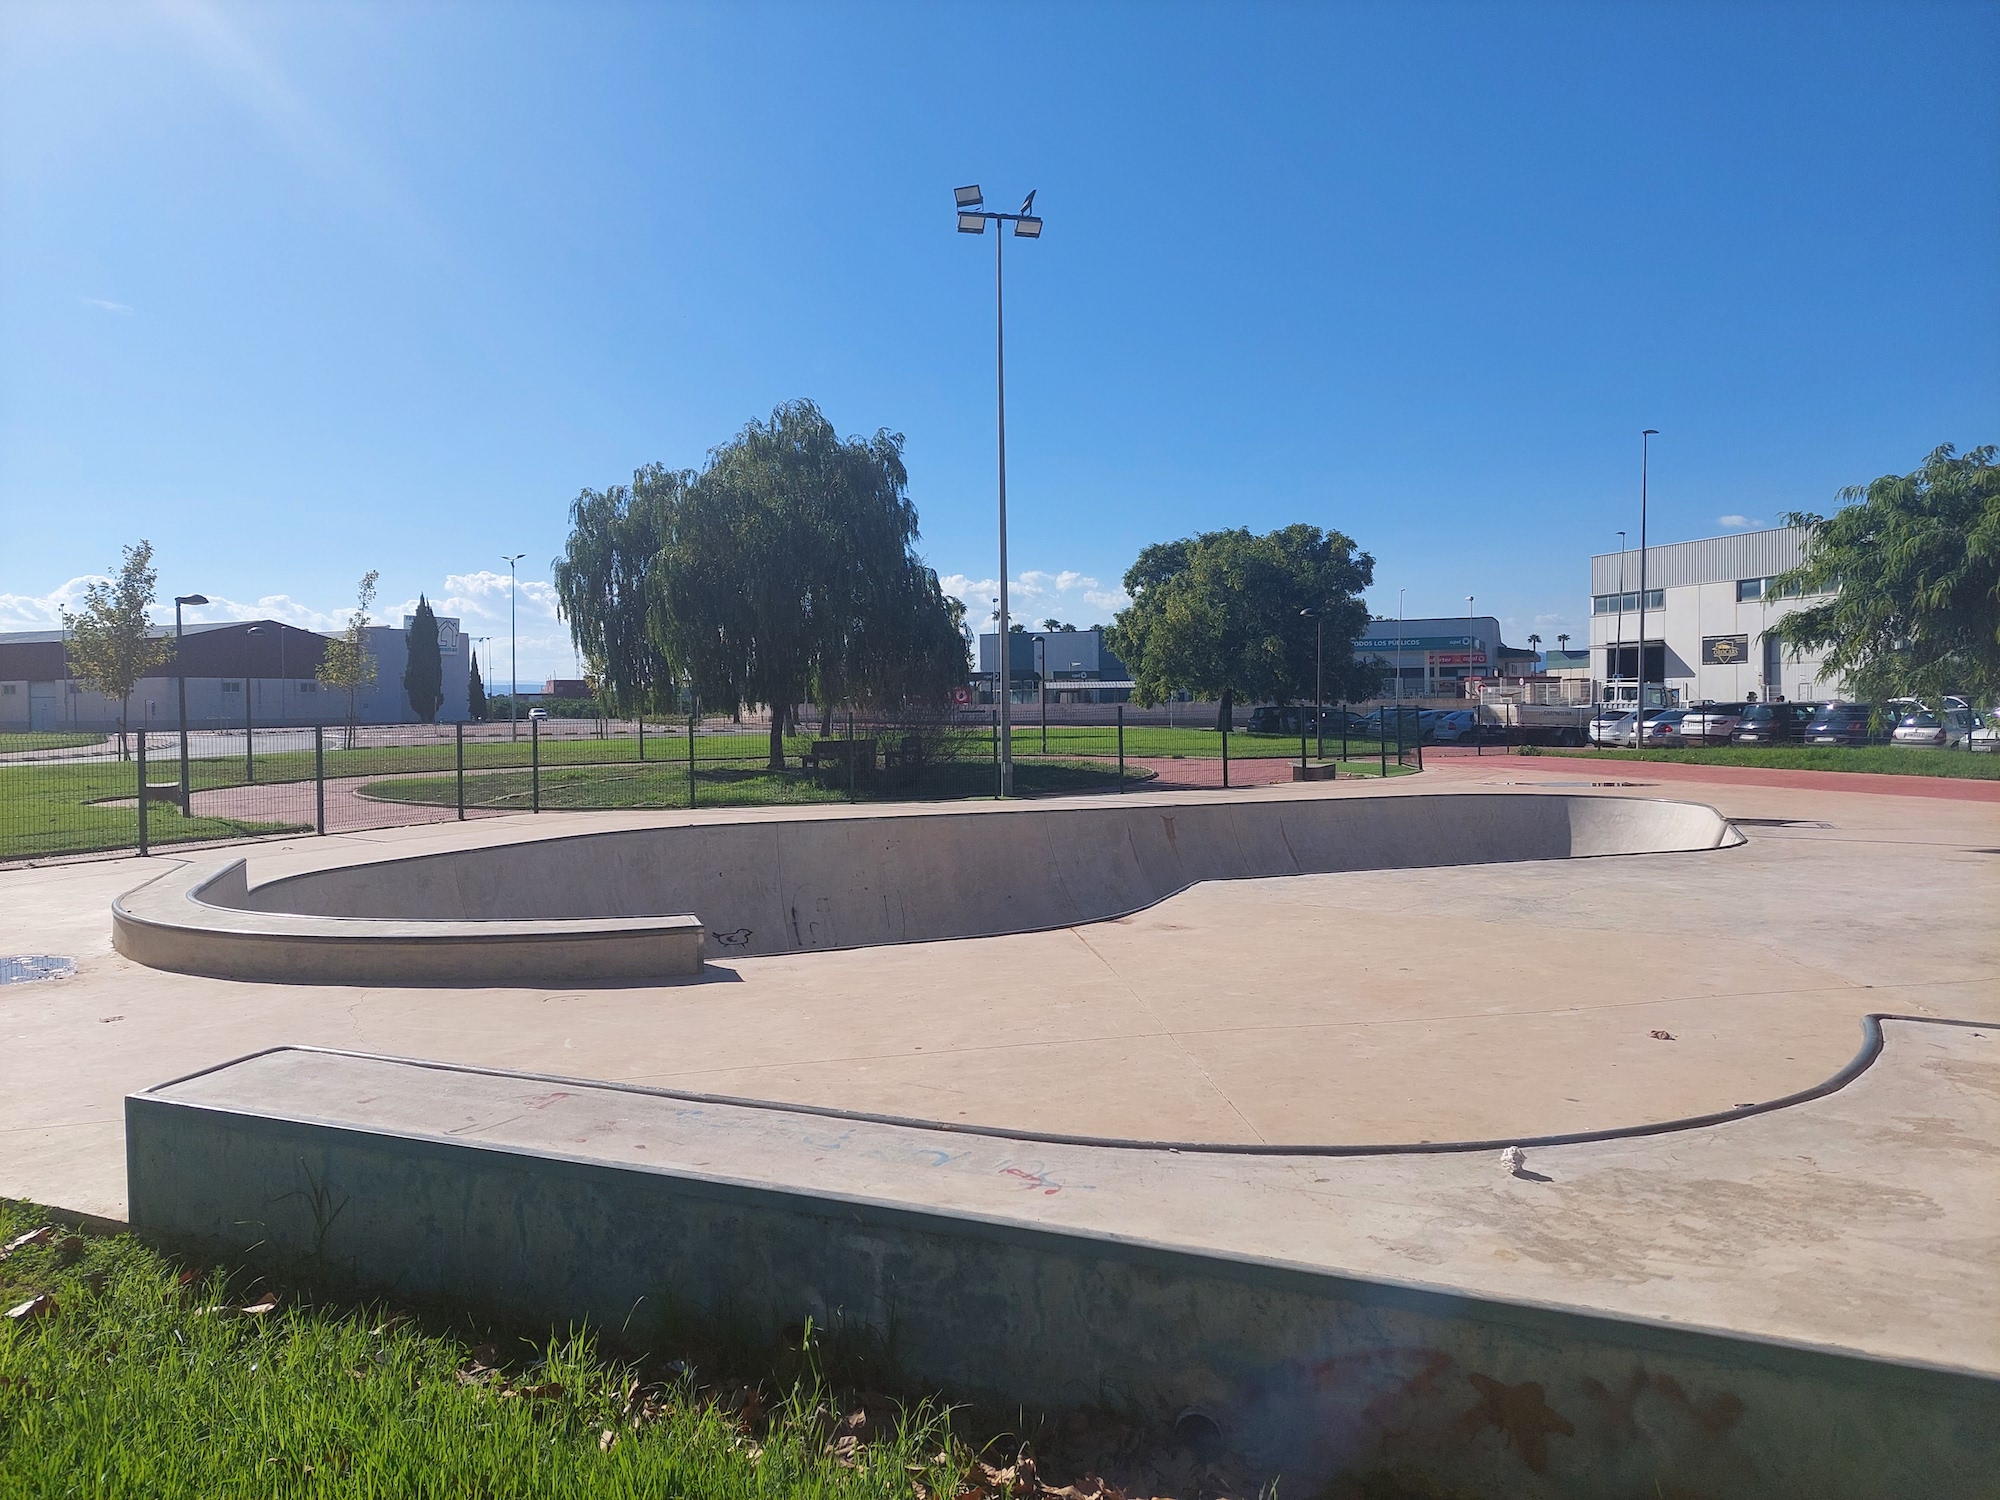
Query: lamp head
(1028, 229)
(191, 599)
(968, 197)
(971, 223)
(1650, 432)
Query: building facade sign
(1456, 658)
(1725, 650)
(1416, 643)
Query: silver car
(1711, 723)
(1932, 731)
(1611, 726)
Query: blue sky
(300, 290)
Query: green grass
(604, 788)
(59, 809)
(1892, 760)
(145, 1379)
(11, 742)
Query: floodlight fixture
(1028, 229)
(969, 197)
(972, 223)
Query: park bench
(839, 757)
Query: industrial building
(1711, 615)
(1433, 658)
(256, 671)
(1076, 664)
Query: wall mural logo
(1725, 650)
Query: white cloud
(44, 611)
(110, 307)
(1037, 595)
(1739, 523)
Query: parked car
(1453, 727)
(1934, 731)
(538, 716)
(1985, 734)
(1663, 729)
(1842, 724)
(1773, 723)
(1608, 724)
(1711, 723)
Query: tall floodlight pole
(513, 656)
(181, 683)
(1399, 651)
(1645, 445)
(972, 220)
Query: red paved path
(1951, 788)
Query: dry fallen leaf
(1661, 1036)
(258, 1308)
(36, 1306)
(22, 1241)
(607, 1439)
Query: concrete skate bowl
(642, 904)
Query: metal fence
(78, 794)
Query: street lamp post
(1399, 651)
(1645, 444)
(181, 684)
(1618, 651)
(972, 219)
(1319, 677)
(513, 657)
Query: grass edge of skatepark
(138, 1371)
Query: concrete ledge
(194, 921)
(556, 1200)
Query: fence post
(694, 715)
(319, 778)
(535, 765)
(249, 765)
(996, 752)
(1343, 731)
(1420, 747)
(1382, 737)
(460, 749)
(143, 847)
(850, 756)
(1302, 742)
(1121, 747)
(1225, 753)
(1399, 737)
(642, 736)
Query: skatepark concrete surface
(1482, 1002)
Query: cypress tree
(423, 678)
(475, 693)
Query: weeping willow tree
(600, 583)
(784, 571)
(1909, 579)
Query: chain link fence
(64, 795)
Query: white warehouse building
(1711, 623)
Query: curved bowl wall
(644, 903)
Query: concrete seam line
(1871, 1048)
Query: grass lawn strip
(1890, 760)
(15, 743)
(126, 1373)
(604, 788)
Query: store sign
(1416, 643)
(1724, 650)
(1457, 658)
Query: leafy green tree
(600, 583)
(475, 693)
(1219, 615)
(423, 672)
(348, 665)
(1910, 578)
(110, 645)
(785, 571)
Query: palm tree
(1563, 641)
(1536, 642)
